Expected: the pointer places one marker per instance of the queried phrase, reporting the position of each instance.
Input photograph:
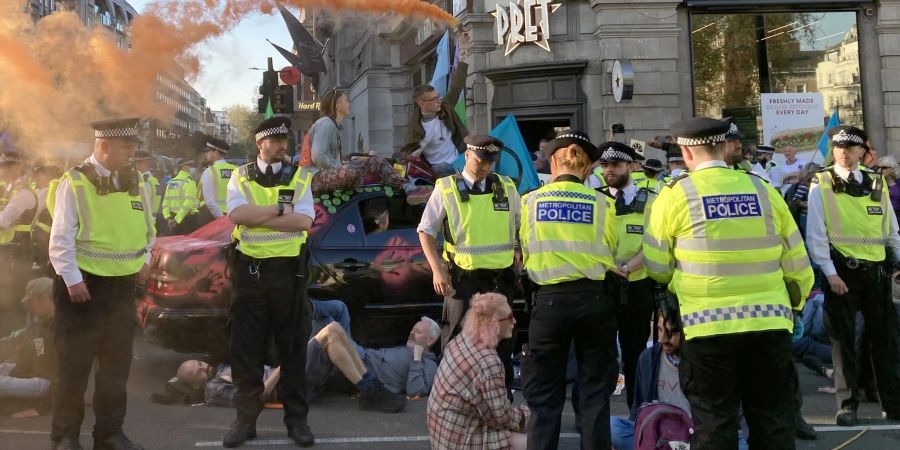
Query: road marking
(357, 440)
(828, 428)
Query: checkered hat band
(844, 137)
(483, 148)
(116, 132)
(675, 158)
(5, 158)
(573, 136)
(611, 153)
(271, 131)
(213, 147)
(690, 142)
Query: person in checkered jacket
(468, 406)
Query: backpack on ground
(662, 426)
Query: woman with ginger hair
(468, 406)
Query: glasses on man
(432, 99)
(509, 318)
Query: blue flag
(515, 160)
(824, 141)
(441, 78)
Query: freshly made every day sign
(795, 120)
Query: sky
(224, 79)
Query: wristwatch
(280, 209)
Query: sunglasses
(512, 316)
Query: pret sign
(524, 22)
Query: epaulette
(648, 190)
(671, 183)
(605, 191)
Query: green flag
(269, 112)
(460, 108)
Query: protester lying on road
(383, 376)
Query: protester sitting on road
(469, 407)
(25, 382)
(381, 375)
(657, 380)
(326, 151)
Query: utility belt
(575, 286)
(265, 263)
(467, 283)
(852, 263)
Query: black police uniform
(270, 303)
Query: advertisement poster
(795, 120)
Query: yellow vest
(638, 176)
(470, 243)
(113, 229)
(51, 195)
(181, 197)
(155, 192)
(567, 233)
(857, 227)
(598, 172)
(726, 244)
(220, 173)
(630, 233)
(262, 242)
(20, 232)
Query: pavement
(337, 423)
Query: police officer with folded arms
(271, 203)
(568, 239)
(727, 247)
(628, 282)
(478, 212)
(850, 227)
(98, 261)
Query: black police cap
(217, 145)
(485, 146)
(700, 131)
(570, 137)
(847, 136)
(613, 151)
(117, 128)
(733, 133)
(273, 127)
(653, 164)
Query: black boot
(66, 443)
(803, 430)
(378, 398)
(239, 433)
(117, 441)
(302, 435)
(846, 417)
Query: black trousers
(586, 319)
(866, 310)
(100, 329)
(468, 283)
(721, 374)
(266, 306)
(15, 272)
(634, 319)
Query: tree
(244, 119)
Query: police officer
(478, 212)
(98, 261)
(850, 222)
(179, 205)
(674, 159)
(727, 246)
(215, 178)
(46, 178)
(628, 282)
(143, 163)
(764, 164)
(17, 211)
(568, 237)
(652, 181)
(271, 203)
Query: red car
(382, 275)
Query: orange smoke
(59, 75)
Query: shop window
(737, 58)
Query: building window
(789, 53)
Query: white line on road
(828, 428)
(358, 440)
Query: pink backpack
(662, 426)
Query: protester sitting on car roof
(381, 375)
